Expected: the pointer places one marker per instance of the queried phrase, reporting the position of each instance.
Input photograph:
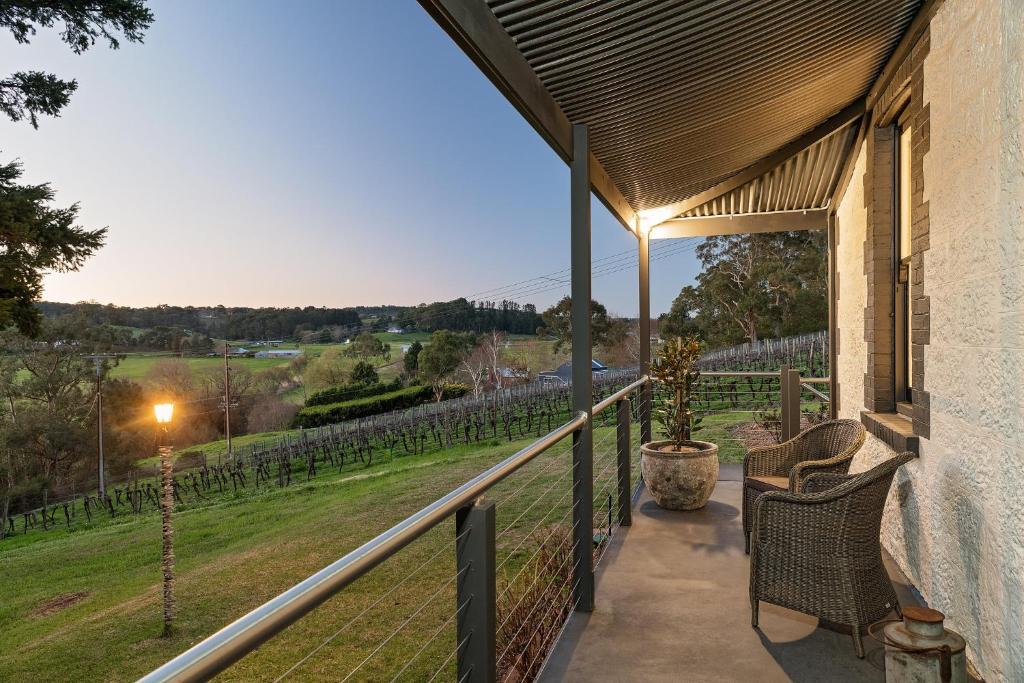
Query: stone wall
(955, 519)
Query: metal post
(582, 377)
(833, 373)
(100, 467)
(227, 400)
(644, 258)
(789, 400)
(623, 418)
(476, 594)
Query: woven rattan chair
(827, 447)
(819, 552)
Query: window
(903, 244)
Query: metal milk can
(920, 650)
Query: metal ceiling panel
(806, 181)
(679, 95)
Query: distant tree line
(214, 321)
(462, 315)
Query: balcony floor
(673, 605)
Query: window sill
(894, 429)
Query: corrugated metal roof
(681, 95)
(805, 181)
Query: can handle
(944, 651)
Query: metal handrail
(234, 641)
(619, 395)
(763, 373)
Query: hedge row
(410, 397)
(350, 392)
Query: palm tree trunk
(167, 562)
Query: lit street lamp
(164, 412)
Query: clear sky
(332, 153)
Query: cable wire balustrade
(499, 609)
(495, 613)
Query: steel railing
(474, 557)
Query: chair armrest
(817, 482)
(801, 470)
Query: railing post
(644, 331)
(789, 399)
(475, 595)
(582, 373)
(623, 418)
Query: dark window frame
(902, 375)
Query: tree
(29, 94)
(679, 321)
(755, 285)
(367, 346)
(482, 366)
(442, 356)
(412, 357)
(558, 324)
(36, 238)
(48, 434)
(329, 370)
(364, 373)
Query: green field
(86, 605)
(135, 366)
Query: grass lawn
(136, 366)
(86, 605)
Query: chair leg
(899, 610)
(858, 645)
(754, 604)
(746, 523)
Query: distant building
(395, 330)
(506, 377)
(563, 374)
(279, 353)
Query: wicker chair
(827, 447)
(818, 551)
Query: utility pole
(101, 480)
(227, 399)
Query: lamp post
(164, 412)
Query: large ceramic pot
(680, 480)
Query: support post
(789, 399)
(582, 374)
(227, 402)
(476, 594)
(644, 332)
(622, 424)
(833, 324)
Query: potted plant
(679, 472)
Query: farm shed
(279, 353)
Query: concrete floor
(673, 605)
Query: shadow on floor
(673, 605)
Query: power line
(541, 284)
